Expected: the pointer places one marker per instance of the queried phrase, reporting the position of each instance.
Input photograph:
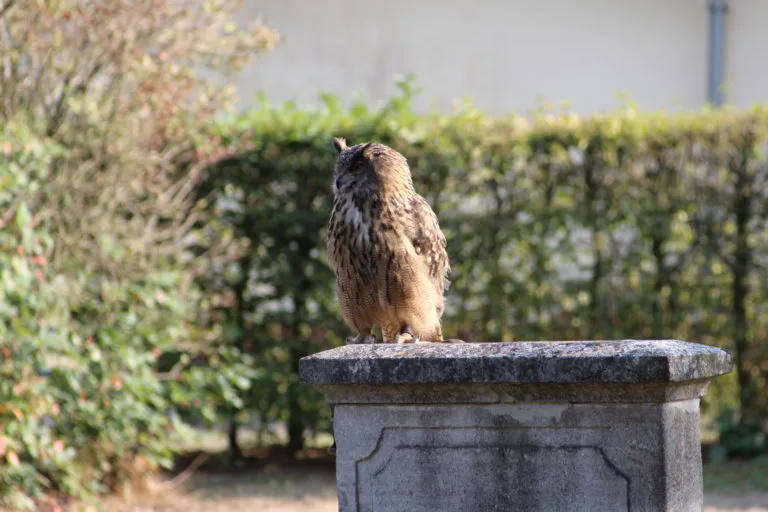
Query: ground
(274, 485)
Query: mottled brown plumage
(385, 247)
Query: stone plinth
(527, 426)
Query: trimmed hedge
(618, 225)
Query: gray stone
(544, 426)
(522, 362)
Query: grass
(736, 476)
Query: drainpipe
(717, 11)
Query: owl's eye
(356, 166)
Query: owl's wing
(429, 241)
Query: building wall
(506, 54)
(746, 52)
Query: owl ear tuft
(339, 143)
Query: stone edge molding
(539, 362)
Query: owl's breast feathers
(351, 239)
(365, 235)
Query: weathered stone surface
(521, 362)
(550, 426)
(532, 457)
(510, 392)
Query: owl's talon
(406, 337)
(361, 340)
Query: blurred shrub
(84, 406)
(619, 225)
(738, 439)
(103, 334)
(124, 86)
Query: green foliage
(102, 330)
(736, 476)
(83, 405)
(124, 86)
(275, 300)
(738, 439)
(30, 325)
(619, 225)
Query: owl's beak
(338, 183)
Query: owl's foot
(361, 340)
(406, 336)
(402, 338)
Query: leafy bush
(83, 407)
(102, 330)
(618, 225)
(124, 86)
(32, 326)
(738, 439)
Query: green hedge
(619, 225)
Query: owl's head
(369, 166)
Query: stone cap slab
(540, 362)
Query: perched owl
(385, 247)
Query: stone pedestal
(539, 426)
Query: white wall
(746, 52)
(501, 53)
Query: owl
(385, 247)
